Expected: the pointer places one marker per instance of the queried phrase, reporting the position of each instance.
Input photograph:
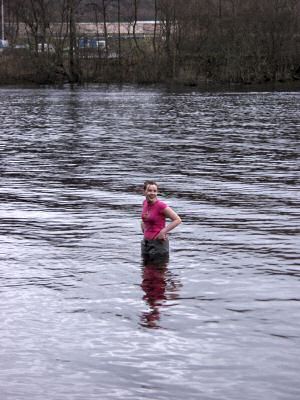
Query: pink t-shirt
(153, 218)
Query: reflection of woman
(154, 285)
(154, 214)
(159, 285)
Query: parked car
(94, 43)
(22, 46)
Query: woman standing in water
(154, 214)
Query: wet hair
(146, 183)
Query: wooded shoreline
(188, 42)
(16, 68)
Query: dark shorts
(155, 248)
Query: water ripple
(81, 316)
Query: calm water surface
(81, 317)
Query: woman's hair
(146, 183)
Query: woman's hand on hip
(162, 235)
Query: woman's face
(151, 193)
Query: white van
(3, 44)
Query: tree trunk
(73, 62)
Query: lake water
(81, 317)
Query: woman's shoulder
(161, 204)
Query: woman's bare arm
(176, 220)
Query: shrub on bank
(23, 66)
